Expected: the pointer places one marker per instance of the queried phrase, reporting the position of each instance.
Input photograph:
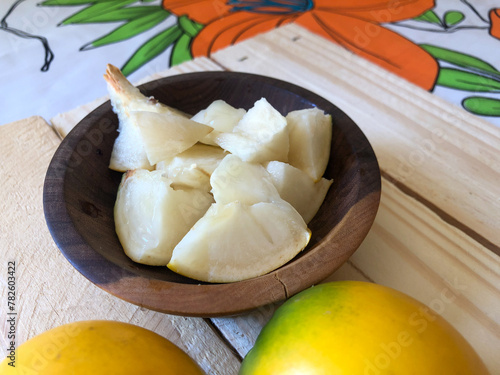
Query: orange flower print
(495, 22)
(353, 25)
(201, 11)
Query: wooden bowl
(80, 191)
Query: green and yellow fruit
(351, 327)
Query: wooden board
(436, 235)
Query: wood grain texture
(80, 194)
(50, 291)
(443, 155)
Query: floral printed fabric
(447, 47)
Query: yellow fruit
(358, 328)
(99, 348)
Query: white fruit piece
(310, 140)
(151, 217)
(167, 134)
(260, 136)
(236, 180)
(248, 232)
(193, 167)
(128, 150)
(298, 188)
(234, 242)
(221, 116)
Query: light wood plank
(50, 292)
(64, 122)
(438, 150)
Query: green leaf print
(123, 14)
(95, 10)
(188, 26)
(453, 17)
(482, 106)
(429, 16)
(181, 51)
(466, 81)
(129, 30)
(152, 48)
(460, 59)
(70, 2)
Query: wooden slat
(443, 155)
(50, 292)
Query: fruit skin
(100, 347)
(352, 327)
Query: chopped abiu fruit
(236, 180)
(151, 217)
(310, 141)
(221, 116)
(248, 232)
(166, 134)
(235, 241)
(298, 188)
(128, 150)
(193, 167)
(261, 135)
